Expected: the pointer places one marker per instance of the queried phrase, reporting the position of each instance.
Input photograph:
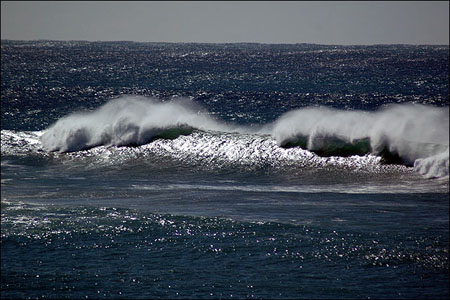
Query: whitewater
(206, 171)
(417, 134)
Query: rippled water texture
(245, 83)
(109, 252)
(159, 170)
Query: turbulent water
(152, 170)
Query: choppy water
(113, 252)
(148, 170)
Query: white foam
(436, 166)
(419, 134)
(124, 121)
(412, 131)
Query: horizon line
(219, 43)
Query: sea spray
(128, 120)
(408, 133)
(413, 135)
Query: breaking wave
(408, 134)
(128, 121)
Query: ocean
(183, 170)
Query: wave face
(127, 121)
(414, 135)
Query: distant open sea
(176, 170)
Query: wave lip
(410, 134)
(127, 121)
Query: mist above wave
(413, 134)
(129, 120)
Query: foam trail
(418, 134)
(436, 166)
(129, 120)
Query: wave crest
(410, 134)
(127, 121)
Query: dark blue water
(153, 170)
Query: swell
(331, 146)
(201, 149)
(337, 146)
(128, 121)
(408, 134)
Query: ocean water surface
(165, 170)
